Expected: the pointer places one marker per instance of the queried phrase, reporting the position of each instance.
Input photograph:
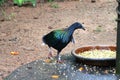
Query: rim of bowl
(81, 57)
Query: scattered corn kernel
(81, 68)
(98, 54)
(14, 53)
(47, 60)
(55, 76)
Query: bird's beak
(83, 28)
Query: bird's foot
(50, 56)
(60, 61)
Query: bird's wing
(61, 35)
(50, 39)
(53, 38)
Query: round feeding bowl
(94, 61)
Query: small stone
(106, 71)
(13, 39)
(2, 20)
(49, 27)
(29, 67)
(93, 1)
(35, 17)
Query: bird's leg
(73, 41)
(50, 53)
(59, 58)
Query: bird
(59, 39)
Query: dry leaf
(55, 76)
(14, 53)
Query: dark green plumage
(58, 39)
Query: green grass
(50, 0)
(54, 5)
(2, 2)
(6, 16)
(98, 29)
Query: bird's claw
(50, 56)
(60, 61)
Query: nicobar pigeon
(59, 39)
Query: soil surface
(22, 28)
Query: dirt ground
(22, 28)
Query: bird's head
(78, 25)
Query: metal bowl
(94, 61)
